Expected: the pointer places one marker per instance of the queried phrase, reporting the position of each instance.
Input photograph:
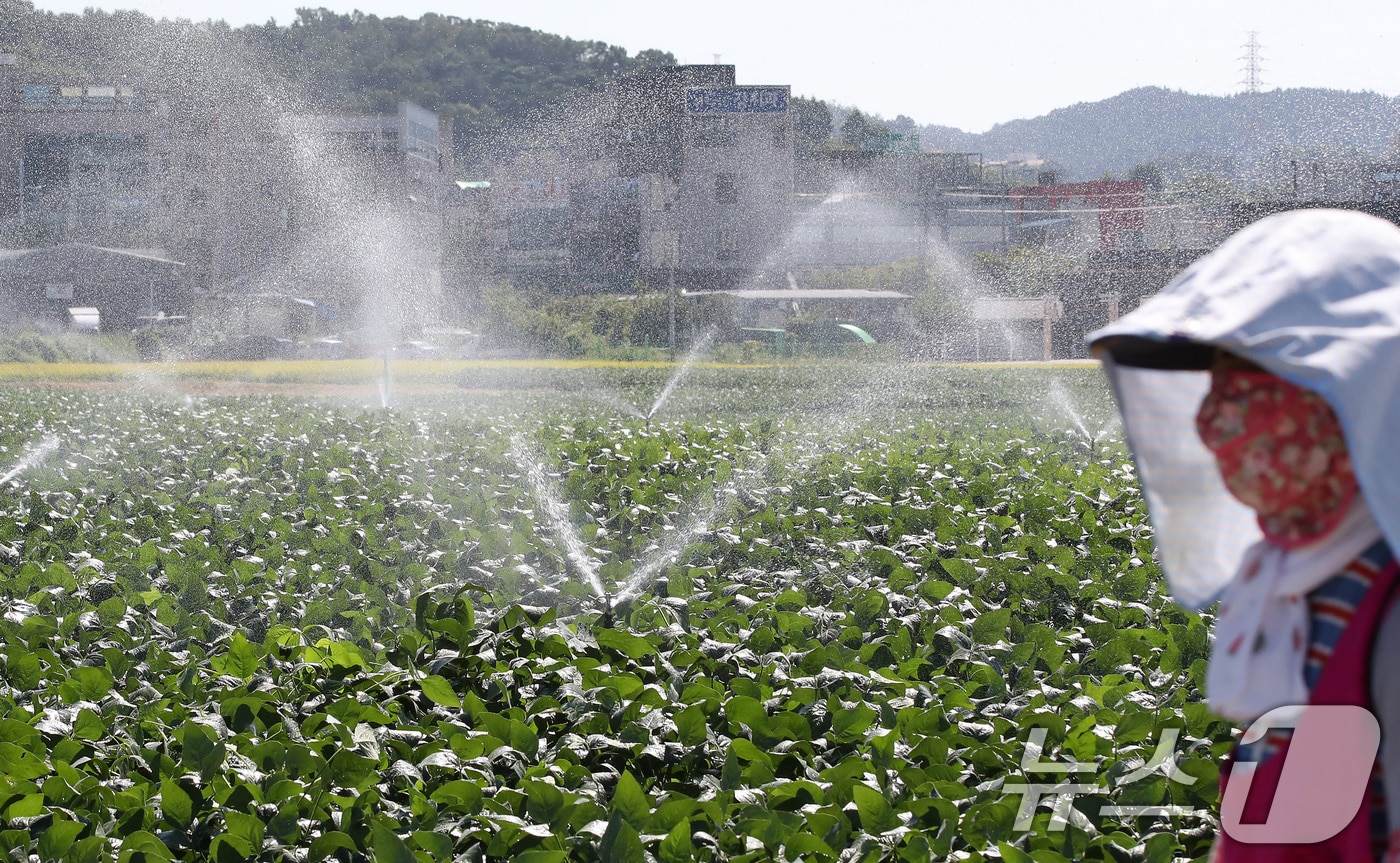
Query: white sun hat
(1312, 296)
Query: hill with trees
(489, 76)
(1238, 136)
(483, 73)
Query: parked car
(417, 351)
(325, 349)
(251, 348)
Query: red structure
(1119, 203)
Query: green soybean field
(819, 615)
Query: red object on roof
(1120, 204)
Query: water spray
(31, 458)
(386, 383)
(699, 349)
(556, 516)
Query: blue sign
(736, 100)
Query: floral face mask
(1281, 452)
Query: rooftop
(804, 294)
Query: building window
(726, 244)
(538, 229)
(726, 189)
(36, 96)
(711, 131)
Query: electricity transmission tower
(1253, 61)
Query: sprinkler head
(607, 611)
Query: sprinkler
(607, 610)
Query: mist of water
(1059, 397)
(32, 457)
(386, 384)
(556, 514)
(698, 350)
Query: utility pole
(671, 291)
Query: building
(1102, 214)
(44, 285)
(669, 173)
(888, 204)
(342, 211)
(103, 164)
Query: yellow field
(299, 371)
(354, 372)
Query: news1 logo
(1322, 781)
(1325, 774)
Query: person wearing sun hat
(1260, 394)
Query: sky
(964, 64)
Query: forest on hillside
(484, 74)
(492, 77)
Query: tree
(651, 57)
(811, 125)
(1024, 272)
(1150, 175)
(858, 130)
(904, 125)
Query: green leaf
(802, 844)
(627, 644)
(1161, 848)
(57, 838)
(330, 842)
(147, 843)
(620, 843)
(242, 659)
(876, 814)
(111, 611)
(1011, 854)
(545, 801)
(691, 726)
(23, 669)
(227, 848)
(88, 725)
(388, 847)
(630, 801)
(18, 763)
(249, 828)
(342, 654)
(439, 691)
(677, 847)
(462, 795)
(990, 626)
(175, 803)
(743, 710)
(349, 770)
(437, 845)
(27, 806)
(962, 572)
(850, 724)
(91, 683)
